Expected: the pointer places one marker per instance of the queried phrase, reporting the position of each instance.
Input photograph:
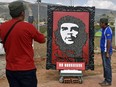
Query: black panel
(91, 11)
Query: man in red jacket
(20, 67)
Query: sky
(103, 4)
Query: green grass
(98, 34)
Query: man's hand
(107, 55)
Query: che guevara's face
(69, 32)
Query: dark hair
(15, 14)
(80, 40)
(104, 20)
(16, 8)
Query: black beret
(16, 6)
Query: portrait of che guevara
(70, 37)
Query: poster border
(50, 11)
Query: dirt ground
(49, 78)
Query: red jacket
(19, 50)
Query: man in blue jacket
(106, 51)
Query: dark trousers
(22, 78)
(107, 67)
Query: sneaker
(105, 83)
(102, 82)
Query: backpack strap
(5, 38)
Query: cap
(104, 20)
(16, 6)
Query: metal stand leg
(61, 79)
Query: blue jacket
(106, 35)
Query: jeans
(107, 67)
(22, 78)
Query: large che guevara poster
(70, 35)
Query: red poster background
(84, 16)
